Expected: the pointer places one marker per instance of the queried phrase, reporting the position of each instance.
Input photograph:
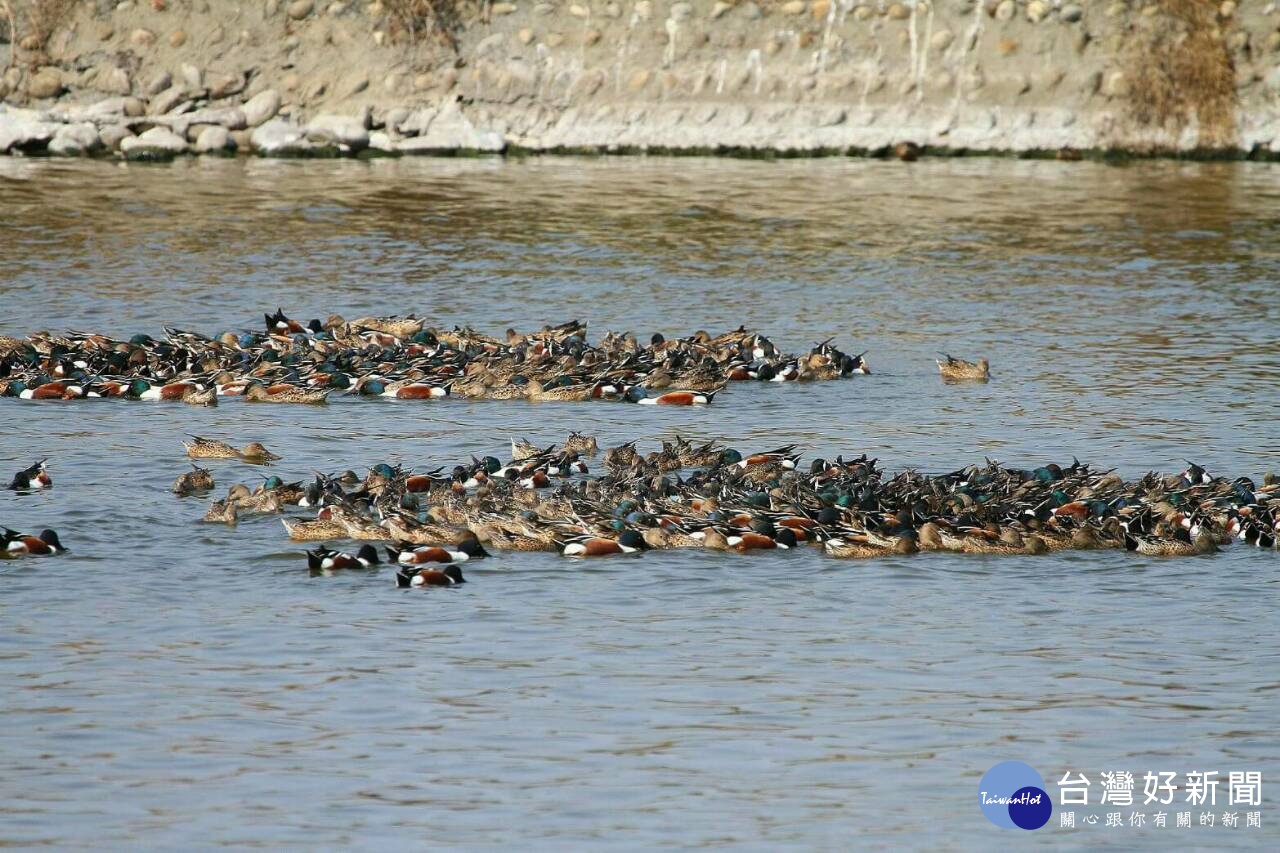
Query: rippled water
(172, 683)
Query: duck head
(632, 539)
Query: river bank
(157, 80)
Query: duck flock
(399, 357)
(571, 499)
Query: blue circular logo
(1012, 795)
(1030, 807)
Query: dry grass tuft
(27, 24)
(1180, 68)
(419, 20)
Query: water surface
(172, 682)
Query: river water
(174, 684)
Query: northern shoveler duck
(699, 456)
(196, 480)
(266, 501)
(772, 502)
(784, 456)
(46, 544)
(256, 454)
(410, 556)
(1195, 475)
(508, 391)
(622, 457)
(538, 479)
(852, 545)
(1090, 537)
(525, 449)
(932, 536)
(397, 327)
(663, 537)
(325, 559)
(855, 365)
(172, 391)
(450, 575)
(826, 362)
(201, 397)
(399, 355)
(32, 479)
(666, 459)
(222, 512)
(421, 532)
(956, 369)
(516, 533)
(409, 390)
(751, 540)
(285, 393)
(53, 390)
(322, 529)
(975, 542)
(628, 542)
(679, 398)
(358, 526)
(1177, 545)
(279, 323)
(507, 541)
(579, 443)
(538, 392)
(1259, 535)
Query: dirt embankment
(155, 78)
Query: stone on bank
(280, 138)
(342, 131)
(45, 83)
(214, 139)
(75, 140)
(114, 134)
(24, 130)
(261, 107)
(158, 143)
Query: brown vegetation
(1179, 67)
(421, 19)
(27, 24)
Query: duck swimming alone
(32, 479)
(957, 369)
(46, 544)
(211, 448)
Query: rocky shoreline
(146, 81)
(122, 127)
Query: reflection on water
(169, 680)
